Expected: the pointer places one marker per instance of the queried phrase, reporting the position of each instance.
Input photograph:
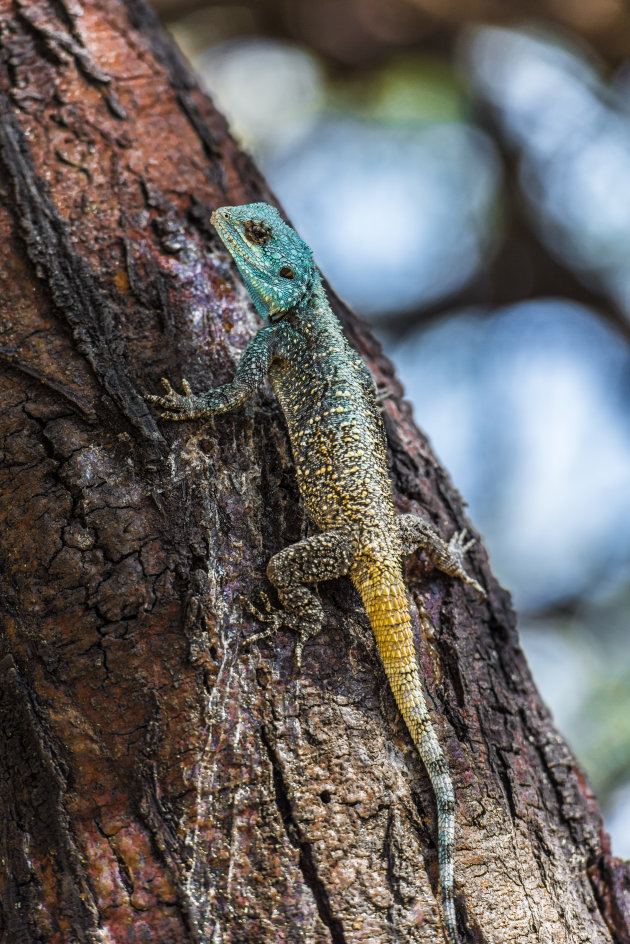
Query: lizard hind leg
(320, 557)
(415, 532)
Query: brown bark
(161, 780)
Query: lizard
(338, 442)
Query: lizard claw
(273, 617)
(457, 547)
(177, 406)
(383, 393)
(167, 387)
(278, 619)
(466, 578)
(269, 610)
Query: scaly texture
(329, 401)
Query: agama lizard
(329, 402)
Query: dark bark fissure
(69, 277)
(307, 863)
(11, 357)
(35, 779)
(611, 887)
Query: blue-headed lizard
(329, 402)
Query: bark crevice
(307, 863)
(69, 277)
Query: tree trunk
(163, 781)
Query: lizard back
(329, 402)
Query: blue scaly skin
(329, 402)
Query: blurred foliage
(357, 33)
(589, 641)
(410, 90)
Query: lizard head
(276, 265)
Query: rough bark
(161, 780)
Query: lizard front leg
(320, 557)
(449, 558)
(250, 374)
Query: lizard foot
(278, 619)
(383, 393)
(272, 616)
(456, 548)
(178, 406)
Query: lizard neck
(316, 301)
(314, 311)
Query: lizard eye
(286, 272)
(256, 232)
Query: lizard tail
(385, 599)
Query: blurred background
(461, 169)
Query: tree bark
(161, 779)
